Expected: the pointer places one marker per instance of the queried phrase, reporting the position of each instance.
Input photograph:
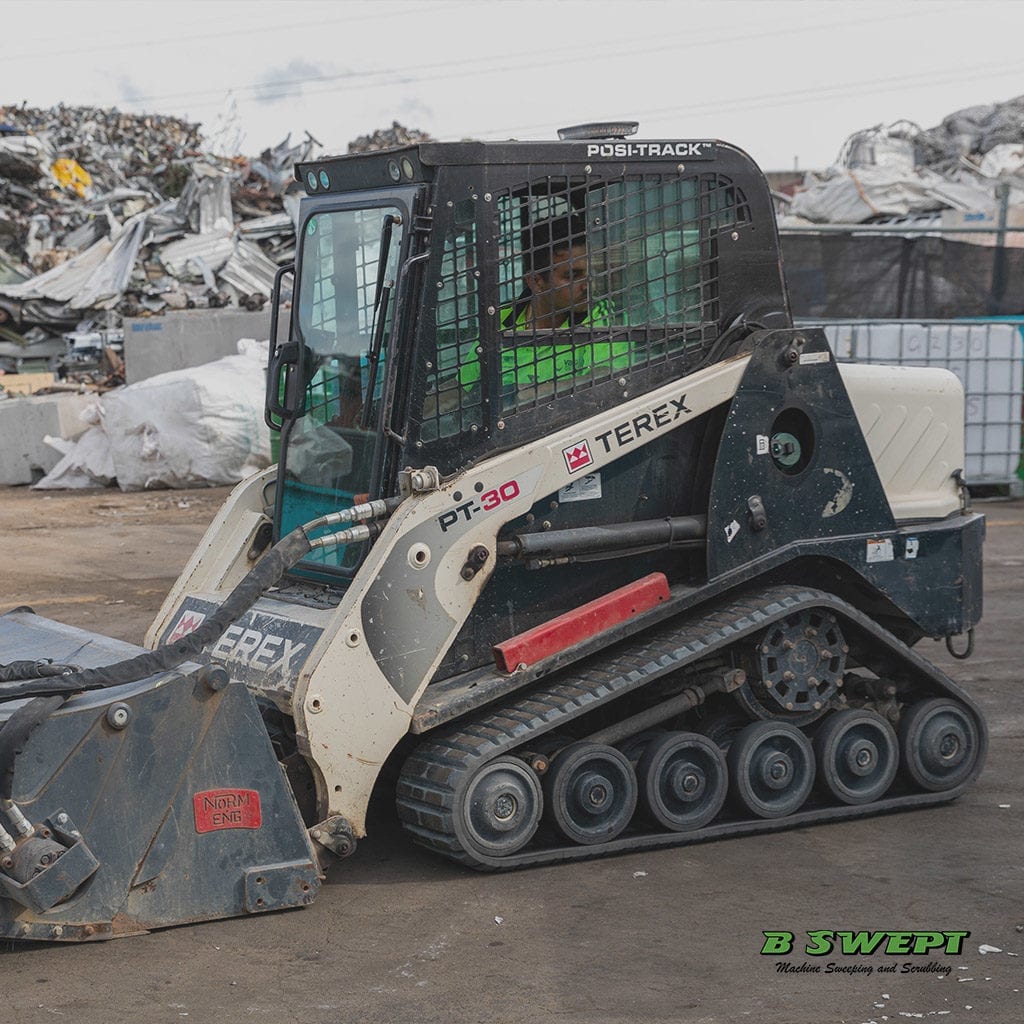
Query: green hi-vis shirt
(529, 364)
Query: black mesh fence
(893, 276)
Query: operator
(555, 298)
(557, 280)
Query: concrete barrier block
(24, 422)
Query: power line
(356, 79)
(444, 71)
(232, 33)
(799, 96)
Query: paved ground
(397, 936)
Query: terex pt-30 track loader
(571, 529)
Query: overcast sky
(787, 81)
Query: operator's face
(563, 290)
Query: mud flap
(166, 796)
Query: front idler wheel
(502, 808)
(771, 769)
(683, 781)
(940, 744)
(590, 792)
(857, 756)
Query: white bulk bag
(191, 428)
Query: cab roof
(418, 163)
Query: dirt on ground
(101, 560)
(398, 936)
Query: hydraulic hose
(51, 685)
(31, 670)
(267, 572)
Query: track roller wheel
(683, 780)
(857, 756)
(723, 727)
(940, 744)
(501, 808)
(635, 746)
(771, 769)
(590, 792)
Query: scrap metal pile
(388, 138)
(899, 171)
(105, 214)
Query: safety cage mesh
(556, 285)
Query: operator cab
(453, 300)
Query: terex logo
(188, 622)
(250, 647)
(577, 456)
(627, 432)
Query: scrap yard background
(398, 936)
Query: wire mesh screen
(340, 257)
(453, 403)
(561, 284)
(339, 284)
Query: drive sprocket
(795, 669)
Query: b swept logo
(827, 942)
(577, 456)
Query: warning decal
(880, 550)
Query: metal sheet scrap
(105, 214)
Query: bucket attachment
(146, 805)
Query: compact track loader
(574, 541)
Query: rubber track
(437, 771)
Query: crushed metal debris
(105, 214)
(963, 170)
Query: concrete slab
(154, 345)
